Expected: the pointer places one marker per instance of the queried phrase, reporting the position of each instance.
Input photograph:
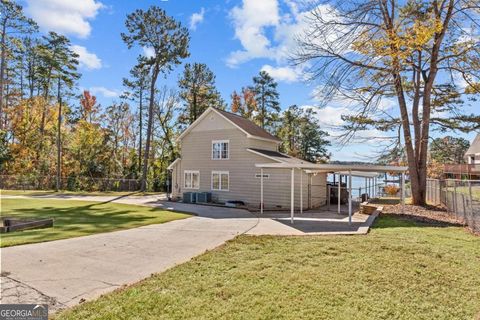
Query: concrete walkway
(63, 273)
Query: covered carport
(366, 171)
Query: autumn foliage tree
(244, 103)
(89, 107)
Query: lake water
(358, 183)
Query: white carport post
(350, 197)
(292, 194)
(301, 190)
(261, 190)
(339, 190)
(366, 185)
(403, 192)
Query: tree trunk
(141, 128)
(45, 103)
(59, 142)
(2, 68)
(149, 127)
(412, 164)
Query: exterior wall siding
(262, 144)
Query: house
(470, 170)
(219, 154)
(472, 156)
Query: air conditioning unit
(204, 197)
(189, 197)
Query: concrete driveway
(65, 272)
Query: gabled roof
(245, 125)
(277, 156)
(474, 147)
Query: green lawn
(401, 270)
(77, 218)
(30, 193)
(466, 191)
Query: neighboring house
(471, 169)
(218, 155)
(472, 156)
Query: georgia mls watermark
(23, 312)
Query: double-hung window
(191, 179)
(220, 149)
(220, 180)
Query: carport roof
(316, 167)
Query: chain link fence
(460, 197)
(73, 183)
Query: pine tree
(266, 96)
(169, 43)
(12, 20)
(61, 63)
(302, 136)
(198, 92)
(137, 90)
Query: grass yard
(466, 191)
(77, 218)
(401, 270)
(30, 193)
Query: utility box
(204, 197)
(189, 197)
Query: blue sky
(236, 39)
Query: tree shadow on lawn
(83, 220)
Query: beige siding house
(472, 155)
(218, 155)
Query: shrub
(391, 190)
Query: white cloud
(87, 59)
(285, 74)
(196, 19)
(64, 16)
(250, 21)
(148, 52)
(107, 93)
(267, 32)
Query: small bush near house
(391, 190)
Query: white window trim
(221, 141)
(184, 180)
(220, 180)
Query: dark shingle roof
(247, 125)
(278, 156)
(475, 146)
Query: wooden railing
(462, 168)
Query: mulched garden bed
(431, 214)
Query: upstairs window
(191, 179)
(220, 149)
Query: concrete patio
(320, 221)
(313, 222)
